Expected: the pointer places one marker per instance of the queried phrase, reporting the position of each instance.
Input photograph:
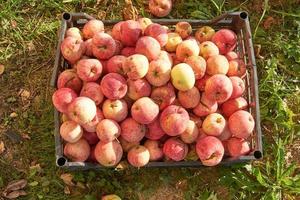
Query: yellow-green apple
(183, 77)
(174, 40)
(204, 33)
(208, 49)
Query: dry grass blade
(2, 68)
(2, 147)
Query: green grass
(27, 47)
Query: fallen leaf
(31, 46)
(14, 23)
(25, 136)
(13, 115)
(122, 165)
(101, 14)
(13, 136)
(2, 147)
(25, 94)
(36, 167)
(67, 179)
(67, 190)
(269, 22)
(80, 185)
(2, 68)
(15, 194)
(16, 185)
(129, 11)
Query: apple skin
(217, 64)
(92, 27)
(208, 49)
(174, 40)
(210, 150)
(226, 40)
(104, 46)
(183, 77)
(218, 88)
(184, 29)
(204, 33)
(198, 65)
(160, 8)
(233, 105)
(245, 125)
(186, 49)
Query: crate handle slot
(257, 154)
(60, 162)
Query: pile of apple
(153, 94)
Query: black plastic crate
(236, 21)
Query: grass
(27, 47)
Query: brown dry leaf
(25, 136)
(2, 147)
(13, 23)
(122, 165)
(80, 185)
(101, 14)
(13, 115)
(2, 68)
(15, 194)
(30, 46)
(129, 11)
(67, 179)
(15, 185)
(67, 190)
(36, 167)
(25, 94)
(269, 22)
